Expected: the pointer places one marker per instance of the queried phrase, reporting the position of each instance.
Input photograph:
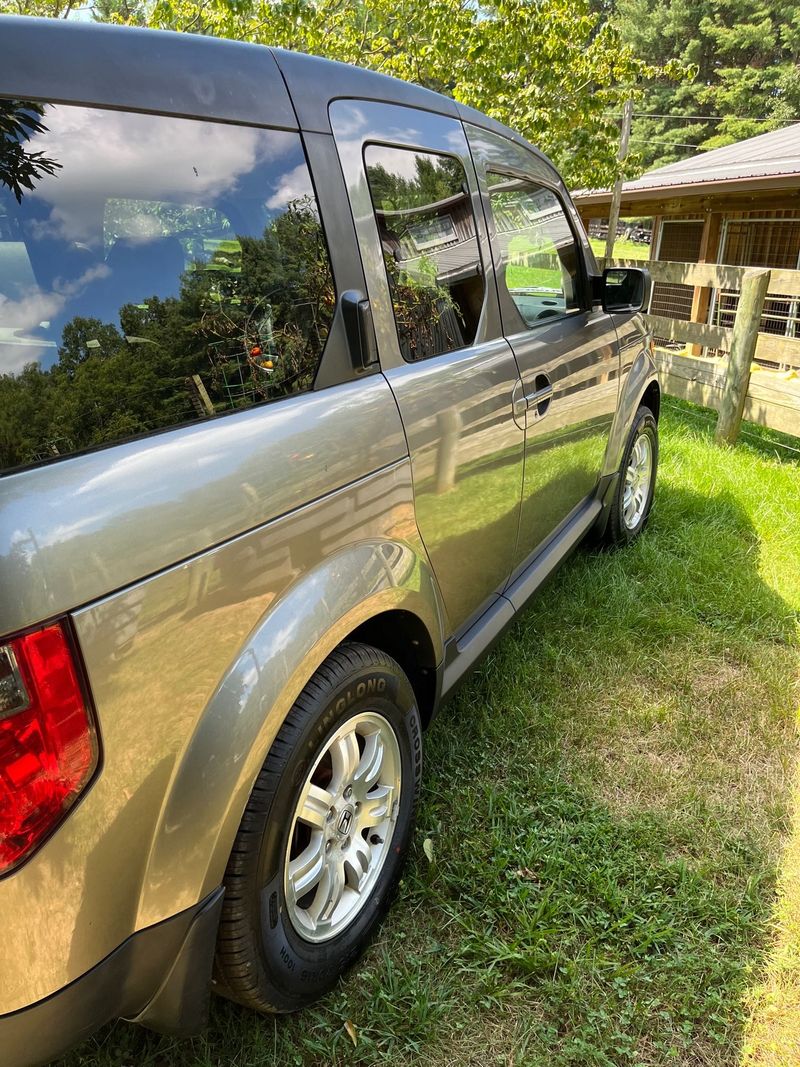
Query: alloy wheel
(342, 827)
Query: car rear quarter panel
(193, 668)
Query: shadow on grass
(604, 801)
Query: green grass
(608, 801)
(623, 249)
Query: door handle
(519, 404)
(538, 401)
(359, 329)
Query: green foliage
(745, 56)
(258, 299)
(54, 9)
(19, 167)
(553, 69)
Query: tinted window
(430, 248)
(538, 254)
(152, 271)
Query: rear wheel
(633, 497)
(324, 836)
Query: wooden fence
(767, 398)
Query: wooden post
(743, 347)
(702, 295)
(616, 196)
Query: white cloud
(293, 186)
(145, 157)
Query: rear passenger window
(430, 248)
(153, 271)
(538, 255)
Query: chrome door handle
(545, 393)
(519, 404)
(538, 401)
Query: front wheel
(633, 497)
(324, 836)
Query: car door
(416, 205)
(566, 347)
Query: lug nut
(328, 846)
(346, 843)
(330, 815)
(348, 792)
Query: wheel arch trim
(642, 375)
(221, 760)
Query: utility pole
(616, 197)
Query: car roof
(71, 62)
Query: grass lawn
(623, 249)
(616, 855)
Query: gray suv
(308, 380)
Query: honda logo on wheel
(345, 822)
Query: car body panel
(565, 448)
(577, 354)
(72, 531)
(209, 569)
(192, 672)
(465, 447)
(64, 62)
(638, 374)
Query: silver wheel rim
(342, 827)
(637, 481)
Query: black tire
(618, 531)
(262, 961)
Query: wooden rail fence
(724, 383)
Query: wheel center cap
(345, 823)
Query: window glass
(153, 271)
(538, 254)
(430, 248)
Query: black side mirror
(625, 289)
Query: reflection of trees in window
(428, 319)
(19, 167)
(273, 316)
(258, 311)
(427, 230)
(437, 178)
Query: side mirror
(625, 289)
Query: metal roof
(767, 154)
(771, 159)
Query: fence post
(743, 346)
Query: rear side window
(538, 255)
(430, 248)
(153, 271)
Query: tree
(746, 56)
(556, 70)
(19, 167)
(52, 9)
(553, 69)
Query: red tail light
(48, 743)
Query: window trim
(582, 288)
(415, 148)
